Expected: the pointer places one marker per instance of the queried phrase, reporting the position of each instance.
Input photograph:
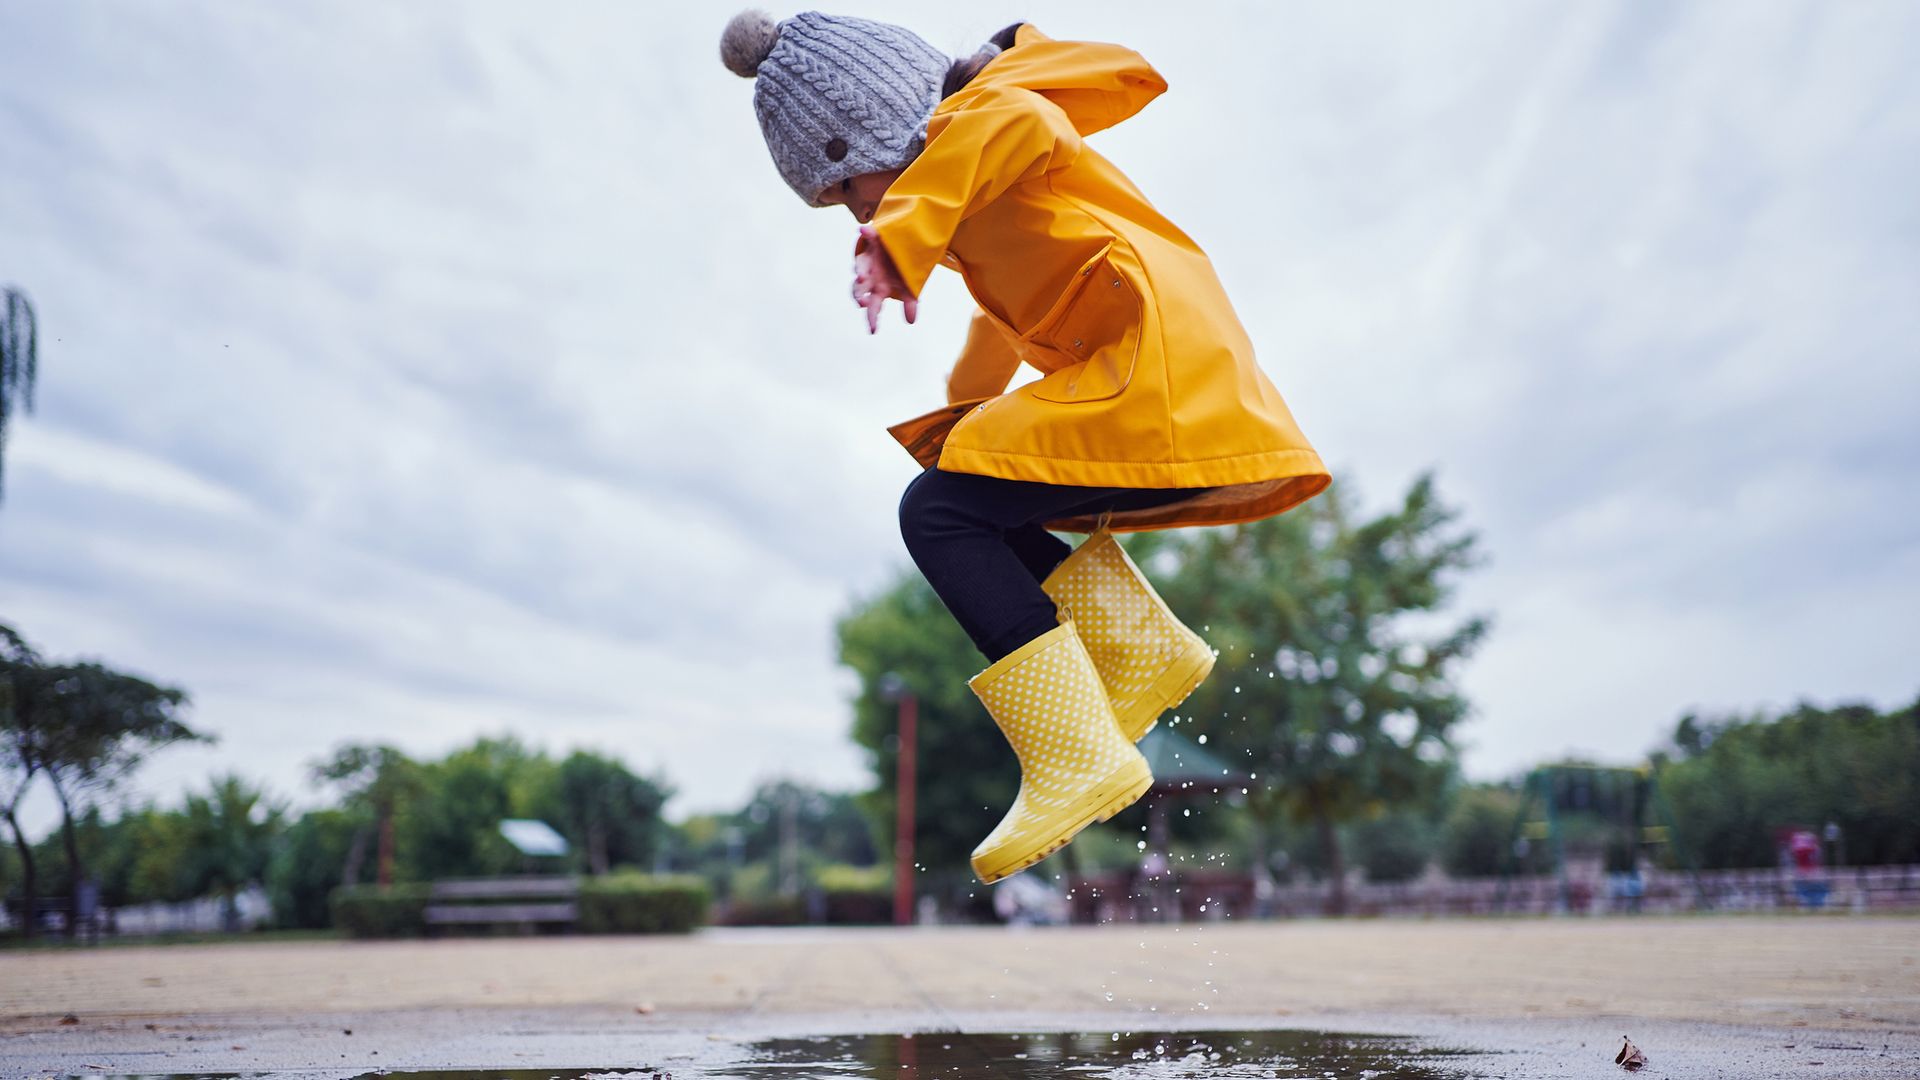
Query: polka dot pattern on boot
(1053, 709)
(1131, 635)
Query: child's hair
(965, 68)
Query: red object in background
(903, 820)
(1805, 848)
(1800, 848)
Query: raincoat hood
(1096, 85)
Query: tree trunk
(1260, 874)
(29, 891)
(1336, 863)
(386, 847)
(72, 844)
(356, 854)
(597, 847)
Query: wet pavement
(1003, 1056)
(1704, 997)
(590, 1044)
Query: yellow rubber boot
(1149, 660)
(1076, 767)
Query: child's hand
(875, 280)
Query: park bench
(525, 902)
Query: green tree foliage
(1335, 678)
(19, 761)
(453, 829)
(19, 362)
(84, 727)
(609, 815)
(1733, 782)
(307, 866)
(374, 780)
(1476, 839)
(967, 773)
(228, 839)
(788, 837)
(1393, 847)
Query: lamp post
(894, 688)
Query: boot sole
(1112, 795)
(1175, 685)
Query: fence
(1212, 894)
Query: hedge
(616, 904)
(368, 911)
(765, 911)
(856, 895)
(643, 904)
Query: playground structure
(1631, 815)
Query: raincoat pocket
(1095, 330)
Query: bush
(632, 903)
(373, 911)
(840, 878)
(306, 869)
(1393, 848)
(766, 911)
(1477, 838)
(855, 895)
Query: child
(1150, 411)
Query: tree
(307, 866)
(229, 839)
(93, 726)
(375, 781)
(1334, 684)
(1732, 782)
(19, 362)
(18, 758)
(1394, 846)
(609, 815)
(84, 727)
(967, 773)
(452, 828)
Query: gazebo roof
(1178, 762)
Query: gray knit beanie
(836, 96)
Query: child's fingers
(913, 308)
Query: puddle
(1096, 1056)
(1091, 1055)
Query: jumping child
(1149, 412)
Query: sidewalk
(1832, 973)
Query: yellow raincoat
(1148, 379)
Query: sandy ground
(1770, 993)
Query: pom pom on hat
(836, 96)
(747, 41)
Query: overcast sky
(413, 372)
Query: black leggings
(980, 543)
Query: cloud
(416, 376)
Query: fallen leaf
(645, 1008)
(1630, 1058)
(69, 1019)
